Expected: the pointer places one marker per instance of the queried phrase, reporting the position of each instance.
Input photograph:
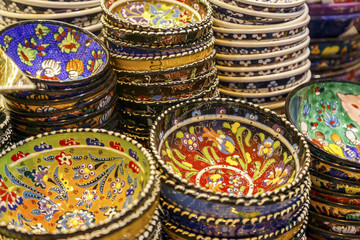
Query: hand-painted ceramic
(266, 7)
(334, 184)
(334, 46)
(336, 62)
(335, 210)
(288, 232)
(59, 4)
(231, 227)
(79, 183)
(214, 148)
(153, 92)
(333, 26)
(51, 51)
(336, 197)
(319, 234)
(326, 112)
(350, 73)
(182, 73)
(157, 15)
(334, 225)
(316, 10)
(334, 169)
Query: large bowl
(326, 112)
(55, 53)
(210, 152)
(77, 183)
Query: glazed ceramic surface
(72, 181)
(315, 233)
(53, 51)
(327, 114)
(334, 46)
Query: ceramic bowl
(334, 184)
(230, 228)
(262, 59)
(326, 113)
(264, 70)
(266, 97)
(180, 16)
(289, 232)
(59, 4)
(270, 33)
(225, 24)
(203, 129)
(316, 10)
(80, 56)
(112, 203)
(334, 169)
(133, 62)
(316, 233)
(347, 199)
(236, 47)
(272, 7)
(178, 74)
(235, 14)
(153, 92)
(334, 46)
(334, 225)
(350, 73)
(332, 26)
(335, 210)
(334, 62)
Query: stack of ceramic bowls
(5, 129)
(84, 14)
(327, 113)
(70, 66)
(335, 40)
(262, 49)
(162, 52)
(230, 170)
(79, 184)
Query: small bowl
(334, 225)
(334, 46)
(346, 199)
(325, 112)
(54, 159)
(318, 10)
(333, 26)
(262, 59)
(79, 51)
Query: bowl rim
(337, 165)
(218, 23)
(335, 40)
(334, 204)
(193, 26)
(225, 196)
(99, 73)
(335, 17)
(124, 214)
(311, 144)
(59, 5)
(333, 234)
(273, 4)
(335, 194)
(336, 220)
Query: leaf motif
(200, 158)
(226, 125)
(288, 159)
(247, 138)
(262, 137)
(276, 144)
(190, 174)
(179, 134)
(264, 168)
(192, 130)
(213, 152)
(179, 154)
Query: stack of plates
(85, 14)
(75, 84)
(230, 170)
(261, 49)
(162, 55)
(335, 40)
(327, 113)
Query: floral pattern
(9, 199)
(64, 158)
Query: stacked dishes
(162, 52)
(5, 129)
(84, 14)
(79, 184)
(327, 113)
(230, 170)
(335, 40)
(70, 66)
(262, 49)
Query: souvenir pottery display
(326, 112)
(261, 49)
(334, 40)
(76, 87)
(82, 184)
(84, 14)
(162, 54)
(230, 169)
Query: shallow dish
(49, 161)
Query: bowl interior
(63, 182)
(53, 51)
(327, 113)
(157, 13)
(228, 147)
